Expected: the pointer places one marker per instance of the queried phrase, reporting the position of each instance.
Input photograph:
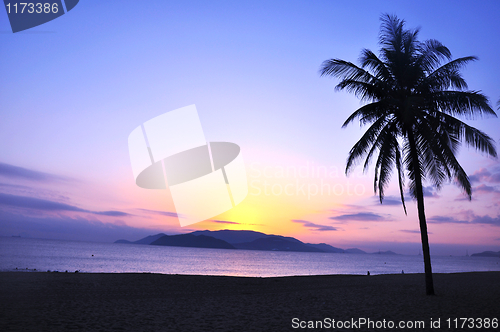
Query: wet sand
(36, 301)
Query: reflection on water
(43, 255)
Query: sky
(73, 89)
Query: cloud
(16, 172)
(396, 200)
(481, 174)
(315, 227)
(463, 198)
(36, 203)
(112, 213)
(162, 213)
(484, 175)
(389, 200)
(412, 231)
(485, 189)
(361, 216)
(66, 228)
(486, 220)
(445, 220)
(17, 186)
(430, 191)
(472, 219)
(45, 205)
(225, 222)
(495, 177)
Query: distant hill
(233, 236)
(487, 254)
(190, 240)
(388, 252)
(147, 240)
(236, 239)
(326, 247)
(279, 243)
(354, 251)
(123, 241)
(150, 239)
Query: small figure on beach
(368, 273)
(402, 271)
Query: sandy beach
(36, 301)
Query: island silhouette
(242, 239)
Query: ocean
(27, 254)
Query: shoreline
(149, 301)
(235, 276)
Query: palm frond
(368, 59)
(399, 167)
(469, 104)
(363, 90)
(366, 141)
(473, 137)
(382, 137)
(385, 162)
(345, 70)
(432, 52)
(368, 113)
(447, 75)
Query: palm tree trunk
(429, 284)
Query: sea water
(55, 255)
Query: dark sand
(33, 301)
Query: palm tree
(412, 100)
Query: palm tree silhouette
(412, 103)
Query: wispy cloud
(11, 171)
(486, 189)
(486, 220)
(46, 205)
(66, 228)
(315, 227)
(361, 216)
(161, 213)
(444, 220)
(388, 200)
(17, 186)
(464, 198)
(484, 175)
(225, 222)
(412, 231)
(111, 213)
(472, 219)
(430, 191)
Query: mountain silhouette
(146, 240)
(240, 239)
(231, 236)
(487, 254)
(190, 240)
(326, 247)
(388, 252)
(275, 242)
